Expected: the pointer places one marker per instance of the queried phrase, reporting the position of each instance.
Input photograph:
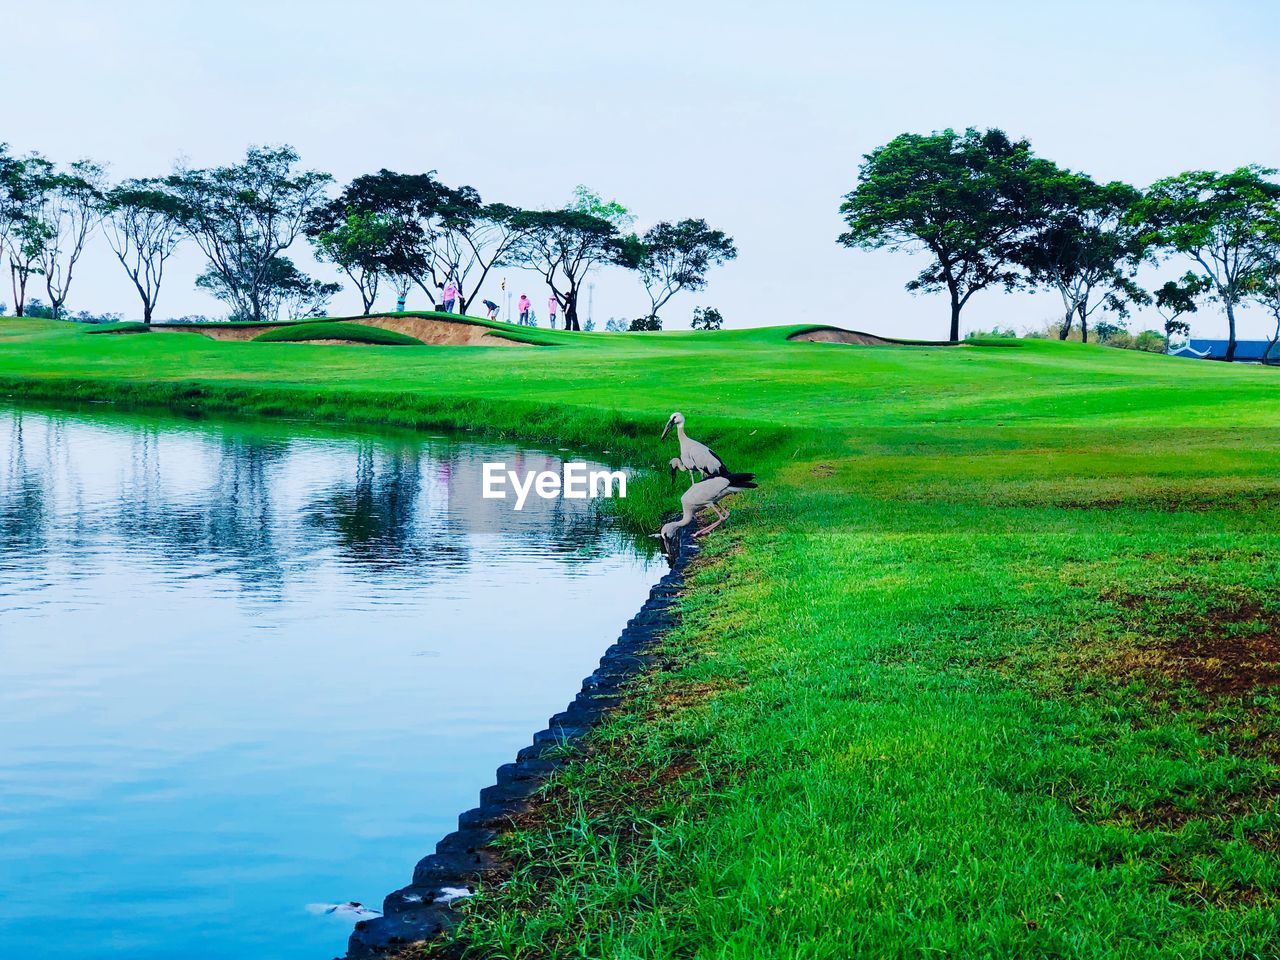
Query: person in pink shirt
(449, 295)
(552, 306)
(523, 306)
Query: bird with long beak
(705, 493)
(694, 456)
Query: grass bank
(987, 667)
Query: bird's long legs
(720, 512)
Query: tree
(708, 318)
(357, 242)
(963, 198)
(1219, 220)
(282, 287)
(436, 232)
(27, 233)
(1085, 246)
(474, 240)
(72, 208)
(143, 227)
(1178, 297)
(676, 256)
(243, 217)
(1264, 284)
(563, 246)
(586, 200)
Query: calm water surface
(245, 669)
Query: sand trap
(858, 338)
(219, 333)
(437, 332)
(430, 330)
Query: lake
(253, 668)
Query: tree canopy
(965, 198)
(1221, 221)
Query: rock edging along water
(425, 908)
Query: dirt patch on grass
(858, 338)
(1222, 640)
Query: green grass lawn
(987, 667)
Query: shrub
(640, 324)
(707, 318)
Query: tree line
(991, 213)
(384, 229)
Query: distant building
(1247, 351)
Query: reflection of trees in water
(378, 518)
(241, 519)
(382, 517)
(232, 522)
(24, 514)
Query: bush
(1151, 341)
(708, 318)
(351, 332)
(994, 333)
(641, 324)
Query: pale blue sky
(752, 115)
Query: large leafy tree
(676, 256)
(358, 242)
(964, 198)
(143, 227)
(1084, 245)
(73, 207)
(1220, 221)
(1264, 286)
(430, 233)
(243, 217)
(563, 246)
(283, 289)
(24, 230)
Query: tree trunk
(1231, 331)
(19, 288)
(1067, 322)
(146, 313)
(571, 311)
(955, 317)
(1084, 324)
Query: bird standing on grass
(694, 456)
(705, 493)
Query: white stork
(706, 493)
(694, 456)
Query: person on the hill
(552, 306)
(523, 304)
(450, 296)
(492, 307)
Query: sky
(752, 115)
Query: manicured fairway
(987, 667)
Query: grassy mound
(345, 331)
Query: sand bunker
(454, 333)
(837, 335)
(227, 332)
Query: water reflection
(249, 668)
